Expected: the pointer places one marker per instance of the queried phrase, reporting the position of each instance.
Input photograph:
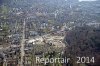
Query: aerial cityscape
(49, 32)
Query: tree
(3, 9)
(83, 41)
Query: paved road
(22, 44)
